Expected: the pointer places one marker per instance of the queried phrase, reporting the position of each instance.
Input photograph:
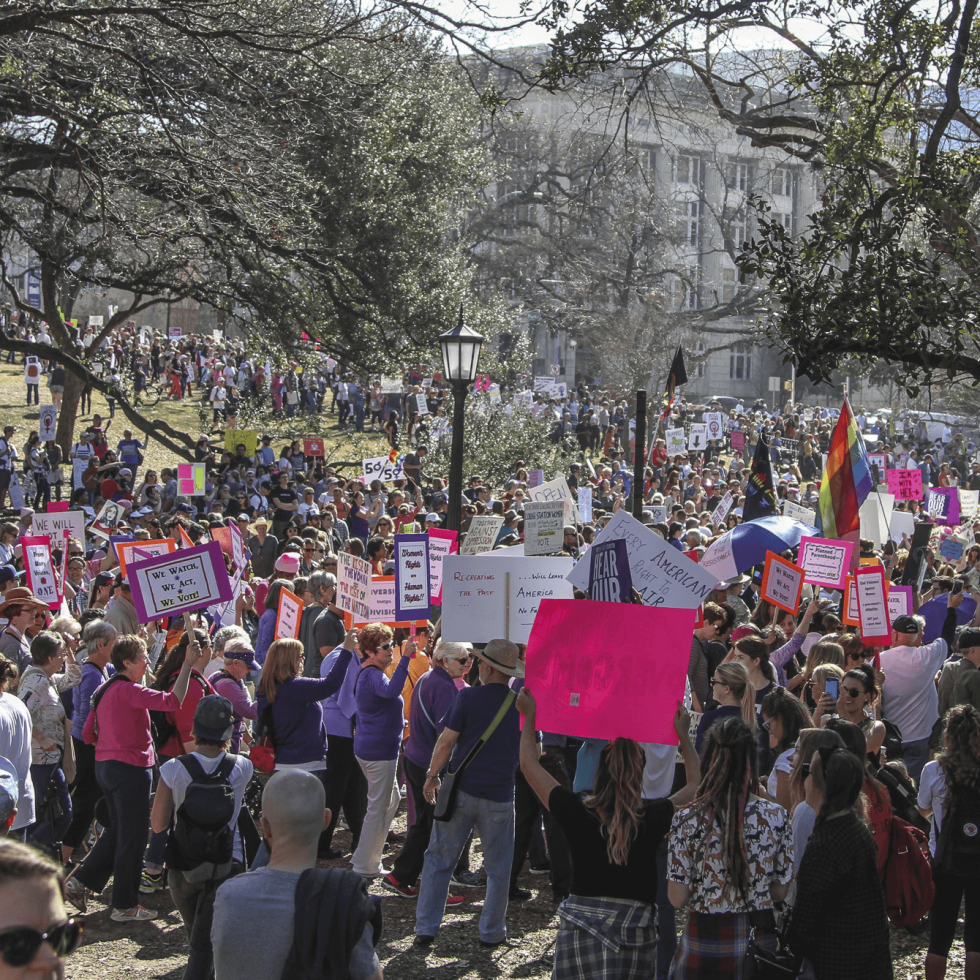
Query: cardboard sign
(441, 543)
(288, 614)
(313, 447)
(191, 479)
(484, 598)
(676, 443)
(249, 438)
(905, 484)
(826, 562)
(353, 585)
(53, 523)
(585, 504)
(661, 574)
(737, 440)
(413, 598)
(849, 609)
(952, 548)
(41, 579)
(187, 580)
(482, 534)
(698, 438)
(544, 522)
(47, 426)
(900, 601)
(32, 370)
(943, 505)
(869, 584)
(805, 515)
(583, 684)
(148, 549)
(782, 582)
(554, 490)
(382, 606)
(610, 579)
(720, 512)
(381, 468)
(969, 500)
(875, 515)
(715, 423)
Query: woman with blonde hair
(732, 689)
(826, 704)
(613, 837)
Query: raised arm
(540, 781)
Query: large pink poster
(609, 669)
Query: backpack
(162, 729)
(97, 697)
(909, 890)
(201, 839)
(958, 840)
(902, 792)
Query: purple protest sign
(610, 579)
(187, 580)
(413, 596)
(944, 505)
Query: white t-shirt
(909, 696)
(178, 779)
(782, 764)
(16, 729)
(932, 792)
(218, 395)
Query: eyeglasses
(18, 947)
(852, 692)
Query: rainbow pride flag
(846, 480)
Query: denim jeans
(915, 755)
(48, 828)
(195, 902)
(383, 798)
(496, 825)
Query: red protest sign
(313, 447)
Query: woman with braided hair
(731, 859)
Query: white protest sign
(288, 614)
(482, 534)
(872, 604)
(47, 425)
(715, 423)
(380, 468)
(550, 387)
(390, 386)
(441, 543)
(40, 571)
(32, 370)
(486, 599)
(353, 585)
(53, 524)
(511, 551)
(969, 500)
(659, 513)
(902, 522)
(556, 489)
(876, 514)
(720, 512)
(676, 445)
(585, 504)
(805, 515)
(422, 406)
(699, 437)
(661, 574)
(544, 522)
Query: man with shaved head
(256, 926)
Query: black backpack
(201, 839)
(162, 729)
(958, 840)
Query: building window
(782, 182)
(689, 170)
(740, 231)
(740, 363)
(690, 223)
(699, 359)
(729, 285)
(645, 159)
(785, 218)
(685, 291)
(738, 176)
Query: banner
(488, 598)
(583, 684)
(782, 582)
(187, 580)
(413, 599)
(826, 562)
(482, 534)
(544, 522)
(289, 613)
(47, 426)
(441, 543)
(905, 484)
(869, 584)
(353, 585)
(381, 468)
(610, 579)
(148, 549)
(40, 569)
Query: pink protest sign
(583, 684)
(905, 484)
(738, 441)
(825, 560)
(57, 506)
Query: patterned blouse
(695, 857)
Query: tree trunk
(68, 412)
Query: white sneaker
(136, 914)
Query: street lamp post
(460, 358)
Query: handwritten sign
(869, 584)
(191, 479)
(610, 579)
(720, 512)
(47, 426)
(381, 468)
(952, 548)
(382, 606)
(41, 579)
(544, 522)
(968, 503)
(805, 515)
(782, 582)
(485, 598)
(555, 490)
(353, 585)
(661, 574)
(586, 688)
(413, 599)
(826, 562)
(905, 484)
(482, 534)
(249, 438)
(148, 549)
(53, 523)
(698, 438)
(585, 504)
(189, 579)
(441, 543)
(676, 443)
(288, 614)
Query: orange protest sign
(288, 614)
(782, 582)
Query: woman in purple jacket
(377, 738)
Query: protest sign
(905, 484)
(849, 609)
(676, 444)
(413, 599)
(32, 370)
(952, 548)
(381, 468)
(535, 478)
(491, 598)
(556, 489)
(900, 601)
(737, 440)
(943, 505)
(381, 608)
(720, 512)
(390, 386)
(661, 574)
(313, 447)
(584, 686)
(692, 731)
(53, 523)
(421, 406)
(609, 572)
(107, 519)
(715, 423)
(658, 512)
(550, 387)
(544, 521)
(916, 563)
(191, 479)
(879, 460)
(288, 614)
(441, 543)
(249, 438)
(174, 333)
(968, 503)
(782, 582)
(875, 515)
(189, 579)
(805, 515)
(149, 549)
(826, 562)
(353, 585)
(47, 426)
(869, 584)
(40, 570)
(482, 534)
(585, 504)
(902, 522)
(698, 438)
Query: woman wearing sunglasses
(858, 696)
(35, 931)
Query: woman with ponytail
(839, 921)
(732, 689)
(731, 859)
(956, 772)
(608, 927)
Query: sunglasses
(385, 646)
(851, 692)
(309, 550)
(18, 947)
(855, 656)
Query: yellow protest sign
(236, 437)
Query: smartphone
(832, 687)
(958, 587)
